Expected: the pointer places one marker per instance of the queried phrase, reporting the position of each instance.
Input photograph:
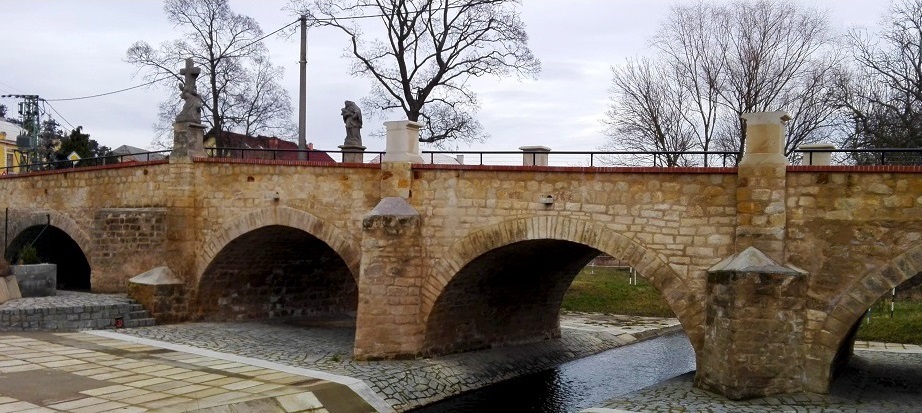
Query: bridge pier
(754, 328)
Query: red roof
(241, 146)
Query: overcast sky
(62, 49)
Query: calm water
(582, 383)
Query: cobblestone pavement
(92, 373)
(880, 378)
(65, 299)
(405, 384)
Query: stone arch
(845, 310)
(335, 238)
(684, 302)
(58, 220)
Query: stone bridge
(435, 259)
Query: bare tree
(647, 113)
(747, 56)
(431, 50)
(882, 95)
(241, 92)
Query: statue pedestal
(188, 141)
(353, 153)
(402, 142)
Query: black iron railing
(83, 163)
(310, 155)
(879, 156)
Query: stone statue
(192, 108)
(352, 116)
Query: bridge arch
(281, 216)
(278, 262)
(71, 250)
(580, 240)
(847, 309)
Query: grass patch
(905, 326)
(608, 290)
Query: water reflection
(582, 383)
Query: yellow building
(8, 158)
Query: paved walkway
(301, 366)
(93, 372)
(881, 377)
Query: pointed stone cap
(753, 260)
(156, 276)
(394, 207)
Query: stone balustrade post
(534, 155)
(818, 156)
(762, 183)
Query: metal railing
(312, 155)
(83, 163)
(878, 156)
(586, 158)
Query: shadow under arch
(534, 242)
(829, 341)
(335, 238)
(273, 263)
(59, 240)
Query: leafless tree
(241, 92)
(882, 95)
(747, 56)
(647, 113)
(429, 52)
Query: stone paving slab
(405, 384)
(875, 381)
(93, 373)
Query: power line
(59, 114)
(107, 93)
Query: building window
(9, 162)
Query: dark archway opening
(896, 317)
(56, 247)
(276, 272)
(509, 295)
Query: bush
(28, 255)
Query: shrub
(28, 255)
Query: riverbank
(406, 384)
(881, 377)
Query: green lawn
(904, 327)
(607, 290)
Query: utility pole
(302, 110)
(27, 144)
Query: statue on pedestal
(192, 107)
(352, 117)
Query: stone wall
(858, 234)
(128, 241)
(670, 226)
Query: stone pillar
(534, 155)
(402, 142)
(820, 157)
(188, 141)
(760, 194)
(353, 154)
(754, 328)
(161, 293)
(388, 323)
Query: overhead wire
(45, 102)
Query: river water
(582, 383)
